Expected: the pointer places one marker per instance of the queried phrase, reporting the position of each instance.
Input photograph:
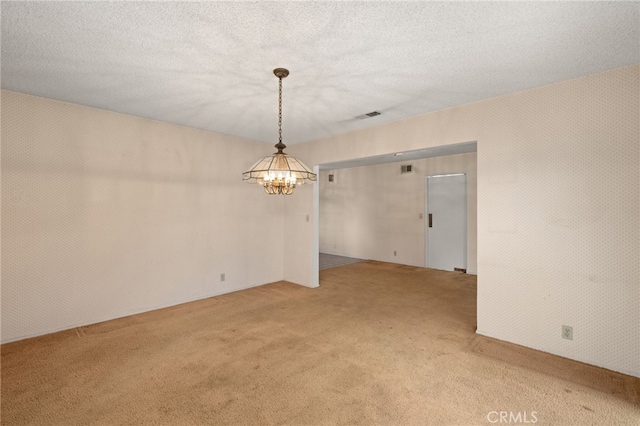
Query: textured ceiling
(209, 64)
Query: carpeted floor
(376, 344)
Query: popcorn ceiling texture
(558, 209)
(209, 64)
(105, 215)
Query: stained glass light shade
(279, 173)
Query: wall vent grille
(406, 168)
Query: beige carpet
(377, 344)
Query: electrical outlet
(395, 253)
(567, 332)
(222, 277)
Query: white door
(446, 222)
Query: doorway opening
(400, 213)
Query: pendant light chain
(280, 110)
(279, 173)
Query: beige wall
(373, 211)
(105, 215)
(558, 210)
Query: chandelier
(279, 173)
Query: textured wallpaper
(106, 215)
(558, 209)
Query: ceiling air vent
(368, 115)
(406, 168)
